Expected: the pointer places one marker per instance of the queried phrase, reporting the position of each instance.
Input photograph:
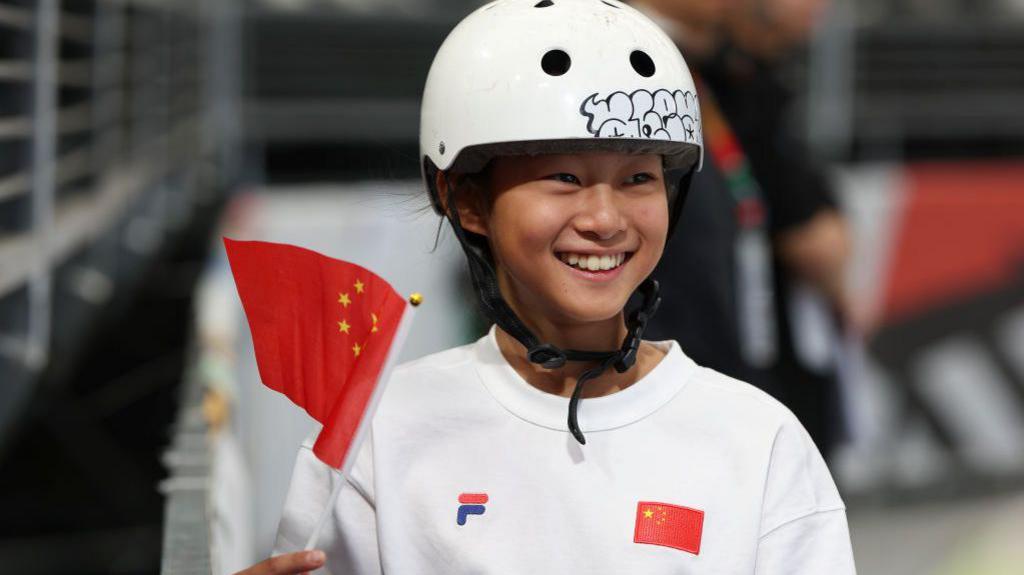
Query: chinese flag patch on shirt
(669, 525)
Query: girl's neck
(605, 335)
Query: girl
(558, 138)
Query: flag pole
(339, 480)
(364, 425)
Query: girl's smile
(594, 266)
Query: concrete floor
(978, 537)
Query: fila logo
(470, 504)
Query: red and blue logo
(470, 504)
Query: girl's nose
(600, 216)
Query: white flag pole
(325, 514)
(364, 424)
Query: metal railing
(885, 88)
(186, 544)
(105, 147)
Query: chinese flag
(322, 330)
(669, 525)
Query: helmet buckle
(547, 355)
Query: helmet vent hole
(543, 4)
(555, 62)
(609, 4)
(642, 63)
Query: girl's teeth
(593, 262)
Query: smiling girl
(558, 139)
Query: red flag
(669, 525)
(322, 329)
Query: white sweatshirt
(687, 471)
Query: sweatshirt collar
(618, 409)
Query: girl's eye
(641, 178)
(565, 178)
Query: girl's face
(573, 235)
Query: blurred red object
(961, 233)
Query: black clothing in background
(698, 269)
(757, 105)
(697, 277)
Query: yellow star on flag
(356, 350)
(648, 513)
(343, 299)
(373, 316)
(343, 326)
(359, 286)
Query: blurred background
(134, 434)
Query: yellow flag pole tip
(416, 298)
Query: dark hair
(476, 186)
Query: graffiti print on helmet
(661, 115)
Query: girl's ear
(471, 213)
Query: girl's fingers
(287, 564)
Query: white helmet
(558, 76)
(529, 76)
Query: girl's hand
(287, 564)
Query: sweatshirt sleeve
(803, 521)
(349, 537)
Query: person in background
(766, 212)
